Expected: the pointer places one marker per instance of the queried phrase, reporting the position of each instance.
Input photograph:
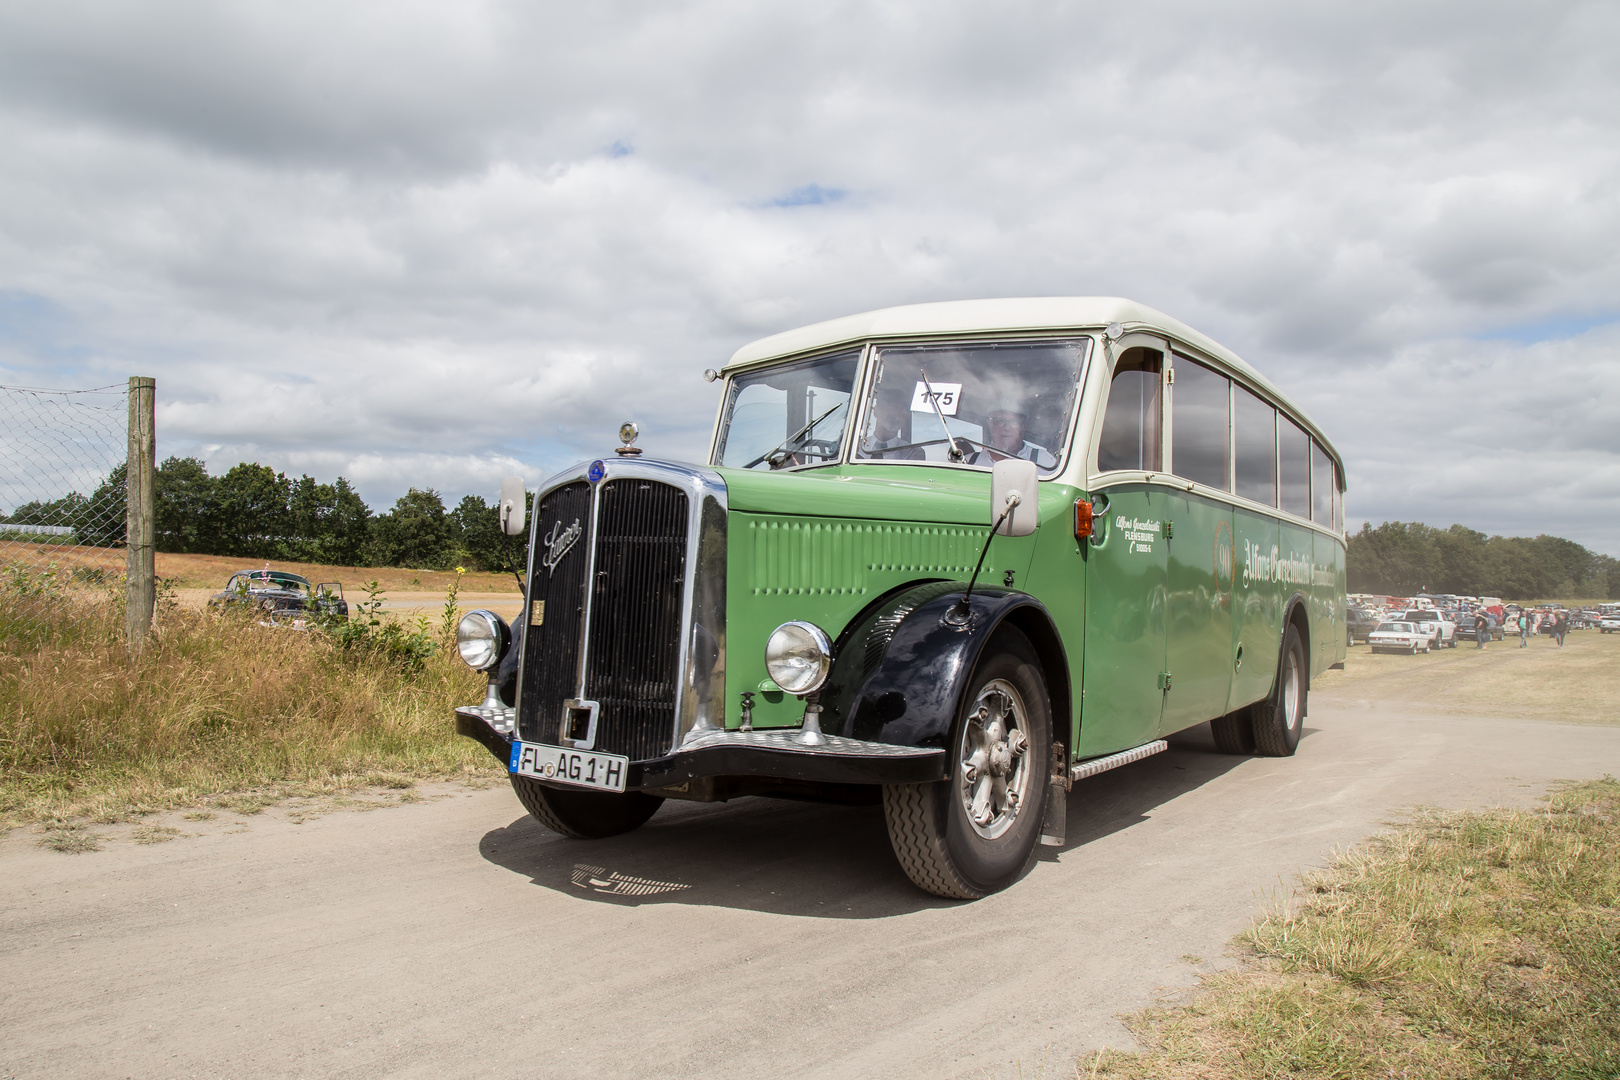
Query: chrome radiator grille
(633, 550)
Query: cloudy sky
(431, 244)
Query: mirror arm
(959, 611)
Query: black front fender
(901, 669)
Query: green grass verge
(216, 708)
(1481, 944)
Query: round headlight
(481, 639)
(797, 657)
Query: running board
(1056, 812)
(1091, 768)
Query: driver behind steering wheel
(891, 428)
(1004, 437)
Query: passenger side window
(1338, 500)
(1294, 467)
(1321, 486)
(1131, 421)
(1255, 427)
(1200, 431)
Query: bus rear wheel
(1279, 720)
(585, 815)
(971, 834)
(1234, 732)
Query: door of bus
(1123, 686)
(1198, 645)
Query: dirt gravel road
(456, 938)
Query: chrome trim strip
(590, 593)
(1113, 761)
(786, 740)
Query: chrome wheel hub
(995, 769)
(1291, 690)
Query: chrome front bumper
(770, 753)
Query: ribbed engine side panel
(633, 666)
(551, 650)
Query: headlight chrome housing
(798, 657)
(481, 639)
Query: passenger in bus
(1004, 437)
(891, 427)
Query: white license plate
(606, 772)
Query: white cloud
(421, 243)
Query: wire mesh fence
(62, 513)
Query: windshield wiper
(793, 438)
(933, 399)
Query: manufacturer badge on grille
(558, 544)
(537, 613)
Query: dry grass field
(1460, 946)
(212, 571)
(217, 708)
(1579, 683)
(1457, 945)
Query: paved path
(456, 938)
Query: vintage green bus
(948, 557)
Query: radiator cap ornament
(627, 435)
(595, 473)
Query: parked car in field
(1610, 623)
(281, 596)
(1358, 623)
(1407, 637)
(1441, 630)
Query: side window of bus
(1255, 422)
(1338, 499)
(1130, 431)
(1321, 486)
(1294, 467)
(1200, 431)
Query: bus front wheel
(971, 834)
(1279, 720)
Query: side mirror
(1015, 477)
(514, 514)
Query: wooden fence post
(140, 594)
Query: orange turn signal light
(1082, 519)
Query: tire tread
(920, 848)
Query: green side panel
(1327, 597)
(880, 492)
(1257, 599)
(1198, 642)
(1057, 577)
(825, 570)
(1121, 701)
(1295, 572)
(1341, 601)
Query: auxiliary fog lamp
(481, 639)
(798, 657)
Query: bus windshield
(790, 415)
(973, 404)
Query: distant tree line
(254, 512)
(1401, 558)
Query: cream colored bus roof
(1024, 313)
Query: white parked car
(1407, 637)
(1609, 622)
(1441, 630)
